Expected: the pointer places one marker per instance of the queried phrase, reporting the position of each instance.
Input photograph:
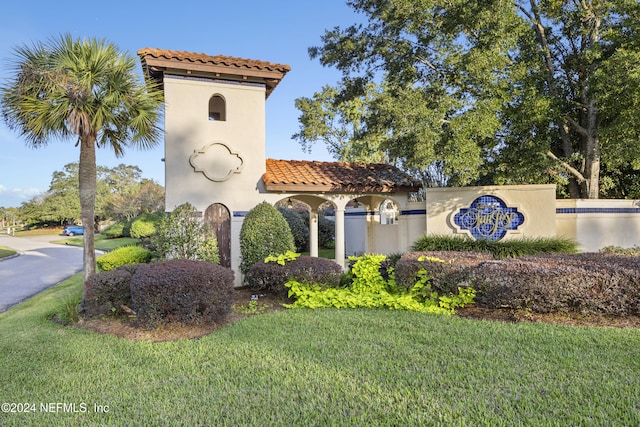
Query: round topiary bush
(122, 256)
(181, 290)
(264, 232)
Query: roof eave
(345, 189)
(155, 68)
(165, 64)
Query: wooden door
(217, 217)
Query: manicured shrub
(264, 232)
(499, 249)
(584, 283)
(367, 277)
(369, 289)
(447, 269)
(108, 292)
(388, 266)
(298, 226)
(326, 232)
(271, 276)
(181, 290)
(619, 250)
(144, 226)
(118, 229)
(122, 256)
(183, 236)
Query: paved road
(40, 265)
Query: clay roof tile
(336, 177)
(156, 61)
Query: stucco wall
(208, 161)
(235, 145)
(535, 202)
(365, 234)
(595, 224)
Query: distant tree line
(121, 194)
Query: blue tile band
(598, 210)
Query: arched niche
(217, 108)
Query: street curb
(12, 256)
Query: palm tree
(84, 89)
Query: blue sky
(278, 31)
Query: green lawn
(324, 253)
(101, 242)
(318, 368)
(6, 252)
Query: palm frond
(81, 87)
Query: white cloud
(13, 197)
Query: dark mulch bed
(127, 328)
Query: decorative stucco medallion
(488, 218)
(216, 161)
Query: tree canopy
(491, 91)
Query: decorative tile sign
(488, 218)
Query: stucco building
(215, 153)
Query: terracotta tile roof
(156, 61)
(336, 177)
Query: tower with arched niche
(215, 148)
(215, 156)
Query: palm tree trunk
(87, 187)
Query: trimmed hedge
(456, 270)
(107, 292)
(181, 290)
(587, 283)
(499, 249)
(271, 276)
(122, 256)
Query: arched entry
(218, 218)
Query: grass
(320, 367)
(101, 242)
(324, 253)
(6, 252)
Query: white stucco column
(340, 237)
(313, 233)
